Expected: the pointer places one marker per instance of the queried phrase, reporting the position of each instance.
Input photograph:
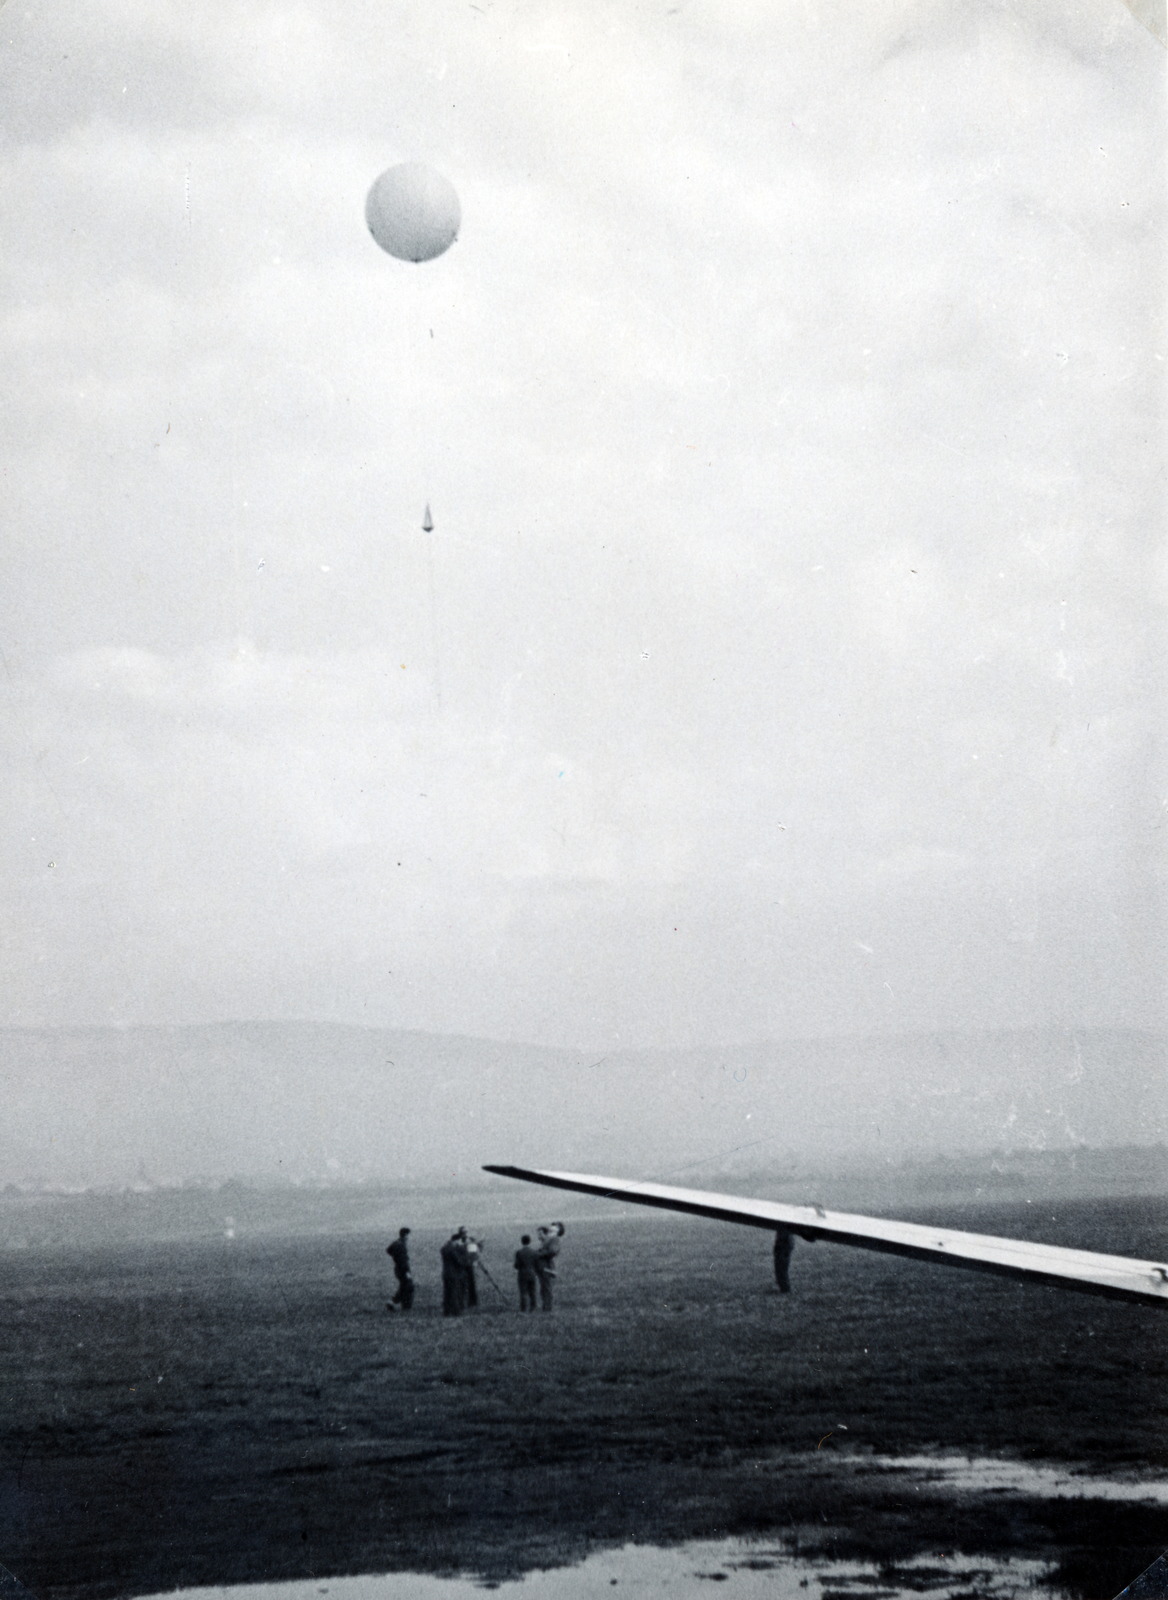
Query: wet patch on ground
(685, 1572)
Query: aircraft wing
(1118, 1277)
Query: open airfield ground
(211, 1411)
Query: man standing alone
(399, 1254)
(784, 1244)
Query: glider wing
(1118, 1277)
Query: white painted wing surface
(1118, 1277)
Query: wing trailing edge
(1117, 1277)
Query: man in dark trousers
(455, 1265)
(784, 1244)
(527, 1271)
(399, 1254)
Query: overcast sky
(786, 656)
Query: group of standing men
(535, 1266)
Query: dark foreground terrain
(224, 1410)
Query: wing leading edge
(1117, 1277)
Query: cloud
(220, 820)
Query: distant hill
(327, 1103)
(1019, 1193)
(987, 1178)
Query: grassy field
(223, 1411)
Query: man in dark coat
(399, 1254)
(455, 1266)
(527, 1271)
(784, 1244)
(474, 1249)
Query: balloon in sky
(413, 212)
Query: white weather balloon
(413, 212)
